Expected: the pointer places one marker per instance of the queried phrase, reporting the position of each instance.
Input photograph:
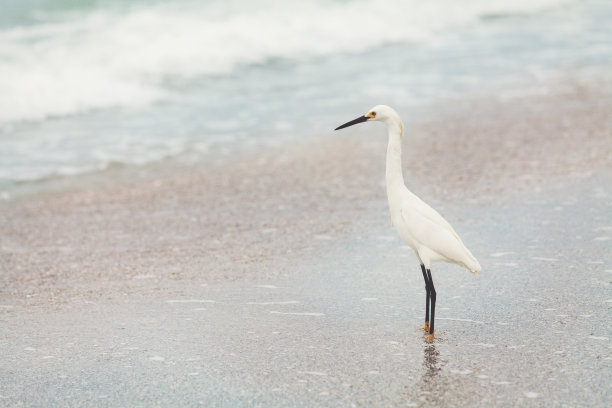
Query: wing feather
(432, 231)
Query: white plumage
(430, 236)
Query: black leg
(426, 296)
(432, 294)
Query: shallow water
(340, 326)
(84, 86)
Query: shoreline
(278, 280)
(341, 327)
(98, 235)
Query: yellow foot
(430, 336)
(426, 328)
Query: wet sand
(236, 219)
(278, 280)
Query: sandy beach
(277, 279)
(174, 221)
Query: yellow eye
(373, 114)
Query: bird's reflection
(428, 391)
(430, 362)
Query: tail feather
(472, 263)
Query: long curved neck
(394, 176)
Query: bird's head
(380, 113)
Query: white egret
(430, 236)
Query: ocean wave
(104, 58)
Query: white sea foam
(598, 338)
(190, 301)
(486, 345)
(123, 58)
(540, 258)
(461, 372)
(323, 237)
(460, 320)
(287, 302)
(386, 238)
(498, 254)
(317, 373)
(298, 313)
(144, 276)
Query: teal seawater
(85, 84)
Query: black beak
(353, 122)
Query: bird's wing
(427, 227)
(424, 210)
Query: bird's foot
(430, 337)
(426, 328)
